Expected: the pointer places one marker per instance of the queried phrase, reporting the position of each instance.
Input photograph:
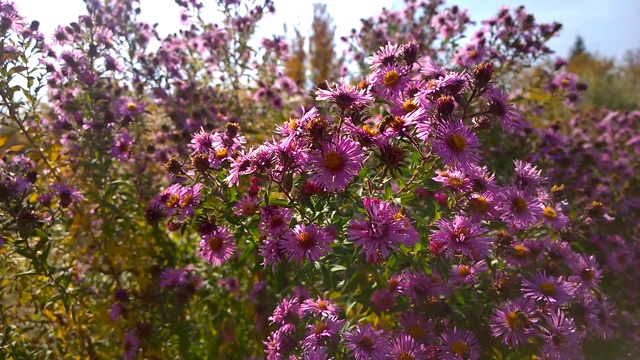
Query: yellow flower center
(520, 251)
(369, 130)
(464, 270)
(459, 347)
(131, 106)
(454, 181)
(405, 356)
(188, 198)
(221, 153)
(391, 78)
(306, 240)
(548, 288)
(215, 244)
(456, 142)
(479, 204)
(473, 54)
(322, 304)
(173, 200)
(334, 161)
(415, 331)
(512, 320)
(408, 106)
(519, 204)
(320, 328)
(549, 213)
(293, 124)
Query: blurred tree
(578, 47)
(295, 67)
(319, 62)
(322, 56)
(612, 84)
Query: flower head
(513, 322)
(218, 246)
(547, 288)
(457, 144)
(560, 338)
(345, 96)
(459, 344)
(366, 343)
(308, 242)
(337, 164)
(386, 229)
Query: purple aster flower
(527, 175)
(345, 96)
(320, 307)
(417, 327)
(218, 246)
(482, 206)
(461, 236)
(519, 209)
(246, 206)
(202, 142)
(501, 108)
(518, 254)
(463, 274)
(288, 311)
(387, 55)
(45, 199)
(390, 81)
(432, 71)
(453, 83)
(171, 196)
(280, 342)
(67, 194)
(383, 299)
(121, 148)
(459, 344)
(337, 164)
(189, 197)
(512, 322)
(322, 332)
(606, 326)
(275, 219)
(127, 107)
(560, 338)
(130, 344)
(481, 179)
(547, 288)
(366, 343)
(405, 347)
(384, 231)
(171, 278)
(315, 353)
(116, 311)
(587, 273)
(554, 216)
(271, 252)
(457, 144)
(455, 180)
(308, 242)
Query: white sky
(609, 27)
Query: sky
(608, 27)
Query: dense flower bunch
(510, 38)
(482, 269)
(146, 211)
